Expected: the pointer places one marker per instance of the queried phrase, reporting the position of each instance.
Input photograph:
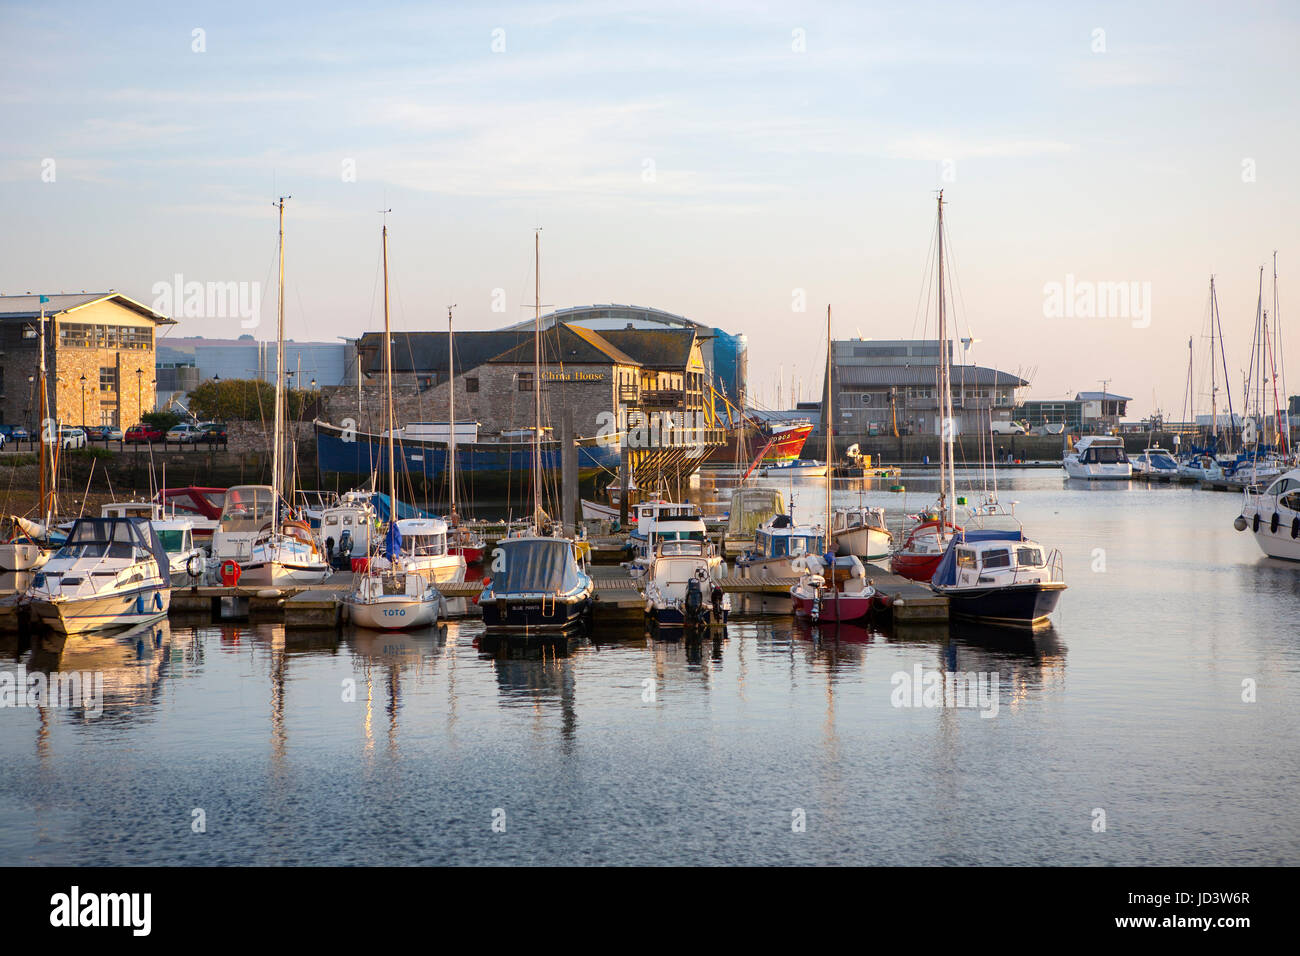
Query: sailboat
(921, 551)
(283, 550)
(463, 541)
(831, 588)
(397, 597)
(537, 581)
(1209, 463)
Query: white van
(1007, 428)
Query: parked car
(142, 434)
(94, 432)
(70, 437)
(18, 433)
(183, 433)
(112, 433)
(214, 433)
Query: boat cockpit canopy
(531, 565)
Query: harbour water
(775, 744)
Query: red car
(140, 434)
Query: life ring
(194, 566)
(1272, 524)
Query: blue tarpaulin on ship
(393, 540)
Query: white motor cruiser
(1098, 458)
(188, 561)
(1273, 517)
(111, 572)
(861, 531)
(681, 586)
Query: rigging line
(926, 273)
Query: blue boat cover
(393, 541)
(945, 575)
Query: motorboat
(187, 560)
(346, 526)
(111, 572)
(1273, 517)
(200, 504)
(999, 576)
(1154, 463)
(861, 531)
(535, 583)
(836, 591)
(682, 586)
(659, 521)
(777, 545)
(1098, 458)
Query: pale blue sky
(774, 170)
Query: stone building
(880, 385)
(99, 358)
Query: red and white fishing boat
(923, 549)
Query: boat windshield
(108, 539)
(679, 535)
(173, 541)
(1105, 455)
(429, 545)
(534, 564)
(246, 508)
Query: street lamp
(83, 402)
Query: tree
(247, 399)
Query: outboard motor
(715, 596)
(694, 606)
(345, 548)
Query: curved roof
(612, 313)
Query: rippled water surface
(773, 744)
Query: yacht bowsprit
(111, 572)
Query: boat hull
(399, 614)
(534, 613)
(787, 445)
(866, 543)
(1116, 472)
(833, 606)
(915, 567)
(101, 612)
(1016, 605)
(280, 574)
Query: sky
(743, 164)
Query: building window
(108, 379)
(525, 381)
(108, 416)
(471, 384)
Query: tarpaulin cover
(534, 564)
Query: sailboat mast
(47, 507)
(830, 429)
(947, 478)
(451, 411)
(1214, 405)
(388, 385)
(278, 431)
(537, 374)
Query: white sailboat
(284, 551)
(463, 542)
(399, 596)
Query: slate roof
(1098, 396)
(29, 306)
(652, 348)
